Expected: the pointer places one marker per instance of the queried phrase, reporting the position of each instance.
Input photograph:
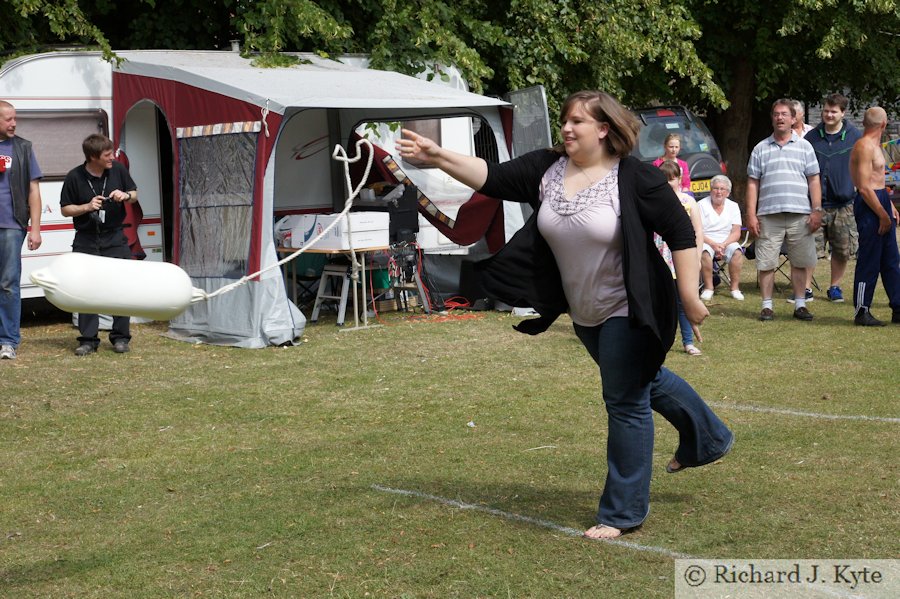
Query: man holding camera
(94, 195)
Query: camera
(99, 216)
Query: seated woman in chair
(721, 234)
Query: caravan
(220, 148)
(60, 99)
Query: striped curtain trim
(219, 129)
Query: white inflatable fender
(89, 284)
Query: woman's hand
(468, 170)
(696, 312)
(416, 147)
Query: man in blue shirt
(833, 140)
(20, 201)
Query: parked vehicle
(698, 147)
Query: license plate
(700, 186)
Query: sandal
(673, 469)
(692, 350)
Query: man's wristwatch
(819, 209)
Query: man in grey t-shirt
(784, 207)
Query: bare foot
(602, 531)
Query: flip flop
(672, 470)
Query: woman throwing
(588, 249)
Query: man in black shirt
(94, 195)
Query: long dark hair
(623, 125)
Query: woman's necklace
(591, 181)
(586, 176)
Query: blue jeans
(11, 241)
(619, 351)
(687, 333)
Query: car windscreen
(695, 137)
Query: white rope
(265, 115)
(340, 155)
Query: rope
(340, 155)
(265, 115)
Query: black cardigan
(524, 273)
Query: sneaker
(736, 294)
(707, 295)
(766, 314)
(802, 314)
(121, 347)
(7, 352)
(85, 349)
(864, 318)
(835, 294)
(808, 295)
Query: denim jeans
(11, 241)
(687, 333)
(619, 351)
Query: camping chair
(750, 254)
(786, 273)
(720, 268)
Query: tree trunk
(733, 127)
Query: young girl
(673, 174)
(671, 148)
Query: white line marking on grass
(572, 532)
(731, 406)
(541, 447)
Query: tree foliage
(727, 58)
(497, 44)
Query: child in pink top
(671, 147)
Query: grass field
(430, 457)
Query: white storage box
(370, 229)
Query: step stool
(334, 274)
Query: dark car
(698, 148)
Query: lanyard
(102, 187)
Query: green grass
(180, 470)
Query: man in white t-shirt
(721, 234)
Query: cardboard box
(369, 229)
(390, 305)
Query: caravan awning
(321, 83)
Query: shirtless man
(876, 220)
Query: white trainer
(736, 294)
(7, 352)
(707, 295)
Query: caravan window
(56, 136)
